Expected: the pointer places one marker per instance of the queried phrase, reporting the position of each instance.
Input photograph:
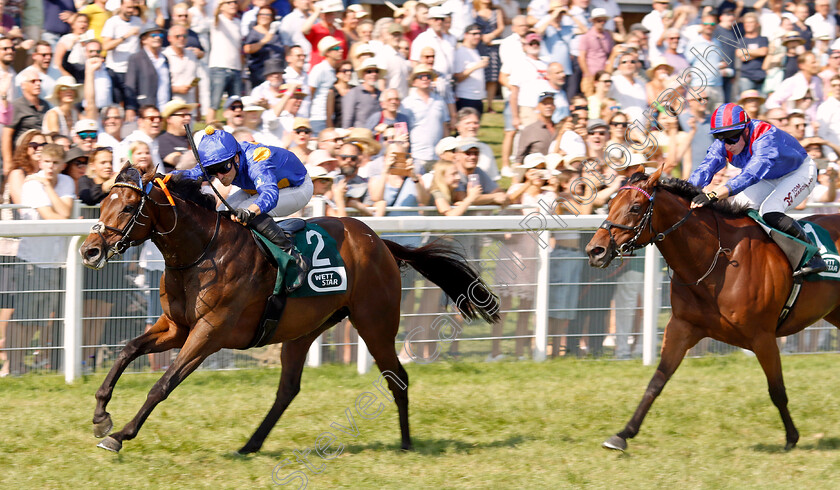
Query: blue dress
(491, 73)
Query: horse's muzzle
(93, 256)
(600, 256)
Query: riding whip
(198, 162)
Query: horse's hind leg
(196, 349)
(767, 352)
(163, 335)
(379, 329)
(679, 337)
(292, 358)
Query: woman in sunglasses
(776, 172)
(272, 183)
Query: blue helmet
(216, 147)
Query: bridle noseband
(646, 221)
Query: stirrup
(303, 266)
(814, 266)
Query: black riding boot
(267, 227)
(792, 227)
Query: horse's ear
(149, 175)
(654, 178)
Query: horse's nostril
(92, 253)
(596, 252)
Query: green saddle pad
(818, 235)
(327, 275)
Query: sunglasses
(619, 124)
(579, 108)
(372, 70)
(87, 135)
(220, 168)
(352, 158)
(157, 35)
(237, 107)
(152, 118)
(303, 131)
(7, 48)
(605, 81)
(179, 36)
(733, 140)
(346, 70)
(424, 76)
(78, 162)
(334, 48)
(534, 43)
(36, 146)
(709, 23)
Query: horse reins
(647, 221)
(124, 243)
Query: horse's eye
(635, 209)
(128, 208)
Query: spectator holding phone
(390, 114)
(466, 162)
(398, 185)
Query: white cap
(598, 13)
(438, 12)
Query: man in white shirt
(42, 64)
(148, 128)
(398, 68)
(291, 26)
(296, 74)
(321, 79)
(463, 14)
(805, 78)
(469, 65)
(120, 38)
(822, 22)
(183, 65)
(436, 38)
(828, 113)
(429, 115)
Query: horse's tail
(449, 269)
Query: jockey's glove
(703, 199)
(244, 215)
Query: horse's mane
(686, 190)
(186, 189)
(190, 190)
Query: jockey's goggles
(730, 137)
(221, 167)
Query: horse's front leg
(679, 337)
(163, 335)
(767, 352)
(197, 348)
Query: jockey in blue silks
(776, 172)
(272, 183)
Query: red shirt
(320, 31)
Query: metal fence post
(73, 311)
(650, 311)
(543, 277)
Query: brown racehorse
(216, 283)
(730, 283)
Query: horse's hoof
(103, 428)
(407, 447)
(790, 445)
(248, 449)
(615, 442)
(110, 444)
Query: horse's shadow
(822, 444)
(425, 447)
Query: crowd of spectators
(384, 104)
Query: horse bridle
(646, 221)
(124, 243)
